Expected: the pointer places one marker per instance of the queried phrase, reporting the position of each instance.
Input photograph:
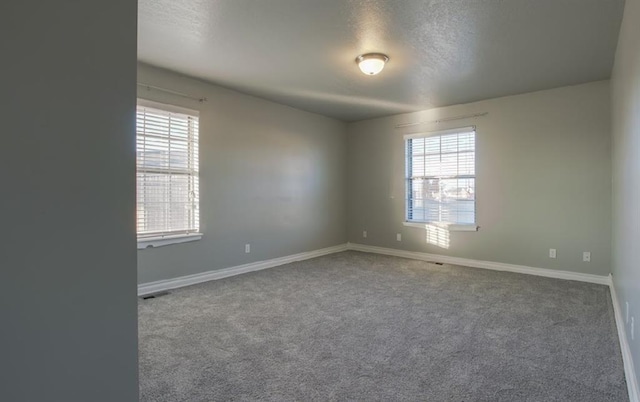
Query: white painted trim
(627, 357)
(166, 106)
(450, 227)
(152, 287)
(159, 241)
(496, 266)
(458, 130)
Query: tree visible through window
(441, 177)
(167, 170)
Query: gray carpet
(365, 327)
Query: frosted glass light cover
(371, 64)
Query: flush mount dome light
(371, 63)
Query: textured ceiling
(301, 52)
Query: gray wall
(626, 170)
(543, 180)
(270, 175)
(67, 257)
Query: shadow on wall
(436, 235)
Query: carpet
(365, 327)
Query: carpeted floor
(355, 326)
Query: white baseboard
(152, 287)
(627, 358)
(496, 266)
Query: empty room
(301, 200)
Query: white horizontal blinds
(167, 172)
(441, 177)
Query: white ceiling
(301, 52)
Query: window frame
(175, 236)
(450, 226)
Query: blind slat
(440, 178)
(167, 177)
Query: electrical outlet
(398, 237)
(364, 234)
(586, 256)
(626, 315)
(633, 336)
(552, 253)
(247, 248)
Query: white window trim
(439, 132)
(165, 240)
(451, 227)
(168, 238)
(167, 107)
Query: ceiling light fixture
(371, 63)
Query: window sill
(159, 241)
(451, 227)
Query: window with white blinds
(167, 170)
(441, 177)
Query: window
(167, 174)
(441, 177)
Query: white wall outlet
(398, 237)
(586, 256)
(552, 253)
(633, 336)
(626, 314)
(364, 234)
(247, 248)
